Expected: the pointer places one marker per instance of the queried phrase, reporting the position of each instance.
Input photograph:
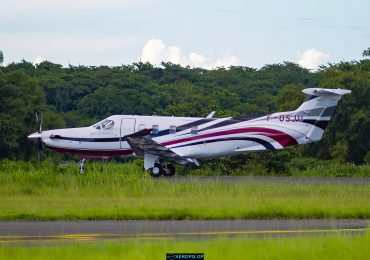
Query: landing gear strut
(169, 170)
(162, 169)
(82, 165)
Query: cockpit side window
(109, 124)
(104, 125)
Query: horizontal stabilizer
(325, 91)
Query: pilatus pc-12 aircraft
(161, 140)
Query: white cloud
(312, 58)
(37, 60)
(155, 51)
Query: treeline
(80, 95)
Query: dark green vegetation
(302, 247)
(80, 95)
(124, 191)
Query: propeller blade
(40, 144)
(40, 128)
(37, 119)
(38, 156)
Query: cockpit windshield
(104, 125)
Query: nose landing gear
(82, 165)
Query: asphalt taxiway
(14, 232)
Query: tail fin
(318, 109)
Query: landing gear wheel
(156, 171)
(170, 170)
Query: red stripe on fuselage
(90, 152)
(281, 137)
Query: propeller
(40, 143)
(37, 120)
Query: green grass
(302, 247)
(332, 169)
(123, 191)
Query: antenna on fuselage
(211, 114)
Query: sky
(197, 33)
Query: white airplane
(162, 140)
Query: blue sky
(199, 33)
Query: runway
(16, 232)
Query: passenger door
(127, 127)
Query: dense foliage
(79, 95)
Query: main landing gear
(165, 169)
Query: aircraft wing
(141, 143)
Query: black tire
(156, 171)
(83, 171)
(170, 170)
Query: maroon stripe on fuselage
(281, 137)
(90, 152)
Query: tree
(290, 97)
(80, 95)
(1, 57)
(366, 53)
(20, 98)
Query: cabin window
(155, 129)
(141, 126)
(194, 130)
(172, 129)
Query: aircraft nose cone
(35, 136)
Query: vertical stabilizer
(319, 108)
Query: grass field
(302, 247)
(123, 191)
